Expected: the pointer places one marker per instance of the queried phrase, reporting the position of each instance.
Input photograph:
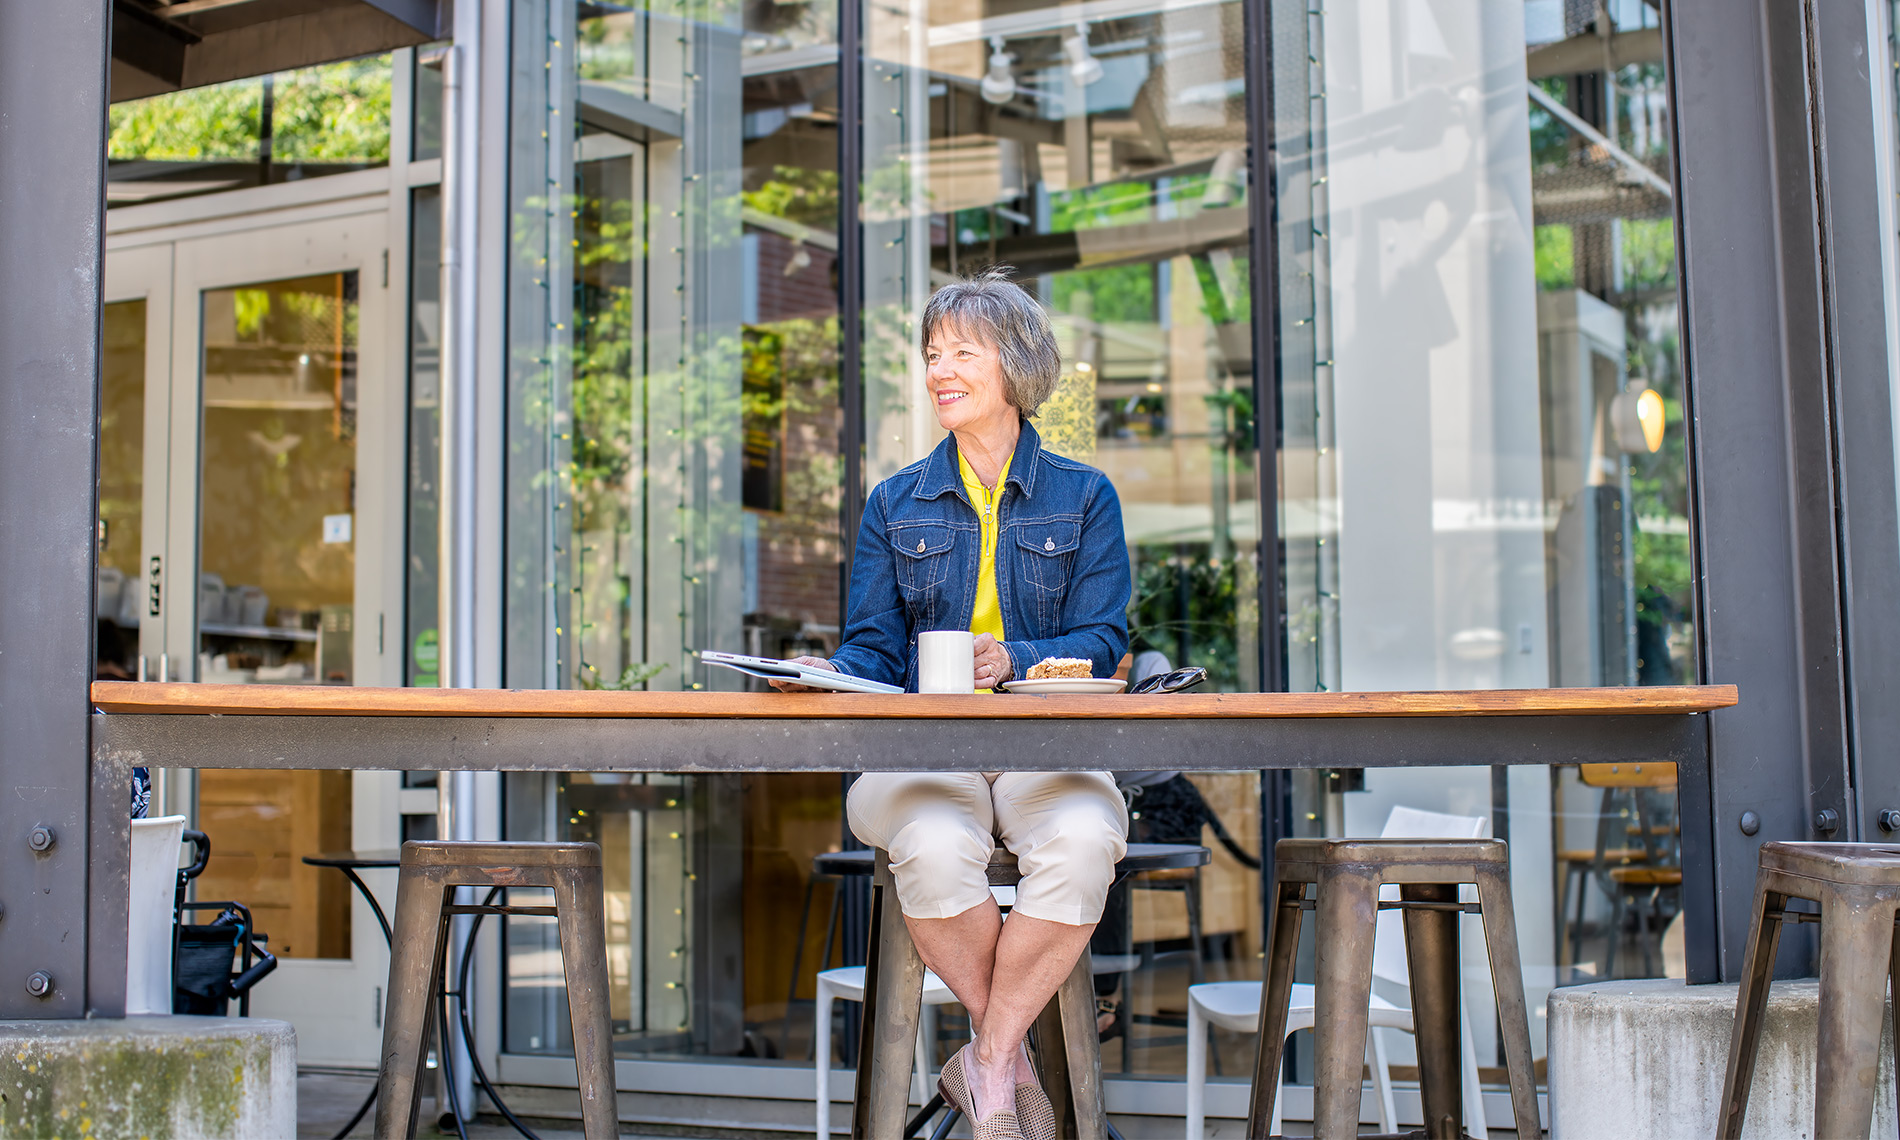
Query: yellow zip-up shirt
(987, 617)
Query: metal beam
(1590, 52)
(744, 744)
(52, 214)
(214, 41)
(1748, 629)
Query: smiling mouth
(949, 397)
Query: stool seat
(1141, 857)
(501, 860)
(1858, 888)
(1610, 855)
(1873, 864)
(1647, 876)
(1397, 860)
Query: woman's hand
(992, 662)
(794, 686)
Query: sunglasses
(1171, 682)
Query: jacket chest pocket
(1045, 554)
(923, 558)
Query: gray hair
(1003, 313)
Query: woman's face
(965, 378)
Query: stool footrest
(535, 911)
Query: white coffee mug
(946, 661)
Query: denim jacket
(1061, 565)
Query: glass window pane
(426, 142)
(283, 127)
(674, 480)
(121, 489)
(278, 483)
(1105, 163)
(421, 660)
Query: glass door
(281, 419)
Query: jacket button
(1049, 544)
(920, 546)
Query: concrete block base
(1647, 1058)
(158, 1078)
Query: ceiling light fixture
(999, 86)
(1084, 68)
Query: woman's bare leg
(1034, 956)
(962, 951)
(1004, 979)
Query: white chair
(1236, 1005)
(847, 982)
(154, 886)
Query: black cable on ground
(443, 1049)
(358, 1118)
(468, 1029)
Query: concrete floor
(326, 1098)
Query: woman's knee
(1083, 840)
(940, 862)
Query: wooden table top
(136, 697)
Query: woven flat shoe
(1034, 1114)
(1000, 1126)
(956, 1091)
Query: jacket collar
(940, 476)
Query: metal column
(1791, 449)
(63, 841)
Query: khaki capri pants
(1066, 829)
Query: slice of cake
(1050, 668)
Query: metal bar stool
(1347, 874)
(430, 869)
(1858, 888)
(1067, 1052)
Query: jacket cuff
(1022, 655)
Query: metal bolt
(1826, 820)
(1751, 823)
(39, 983)
(1889, 820)
(41, 838)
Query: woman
(1024, 548)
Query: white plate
(1067, 685)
